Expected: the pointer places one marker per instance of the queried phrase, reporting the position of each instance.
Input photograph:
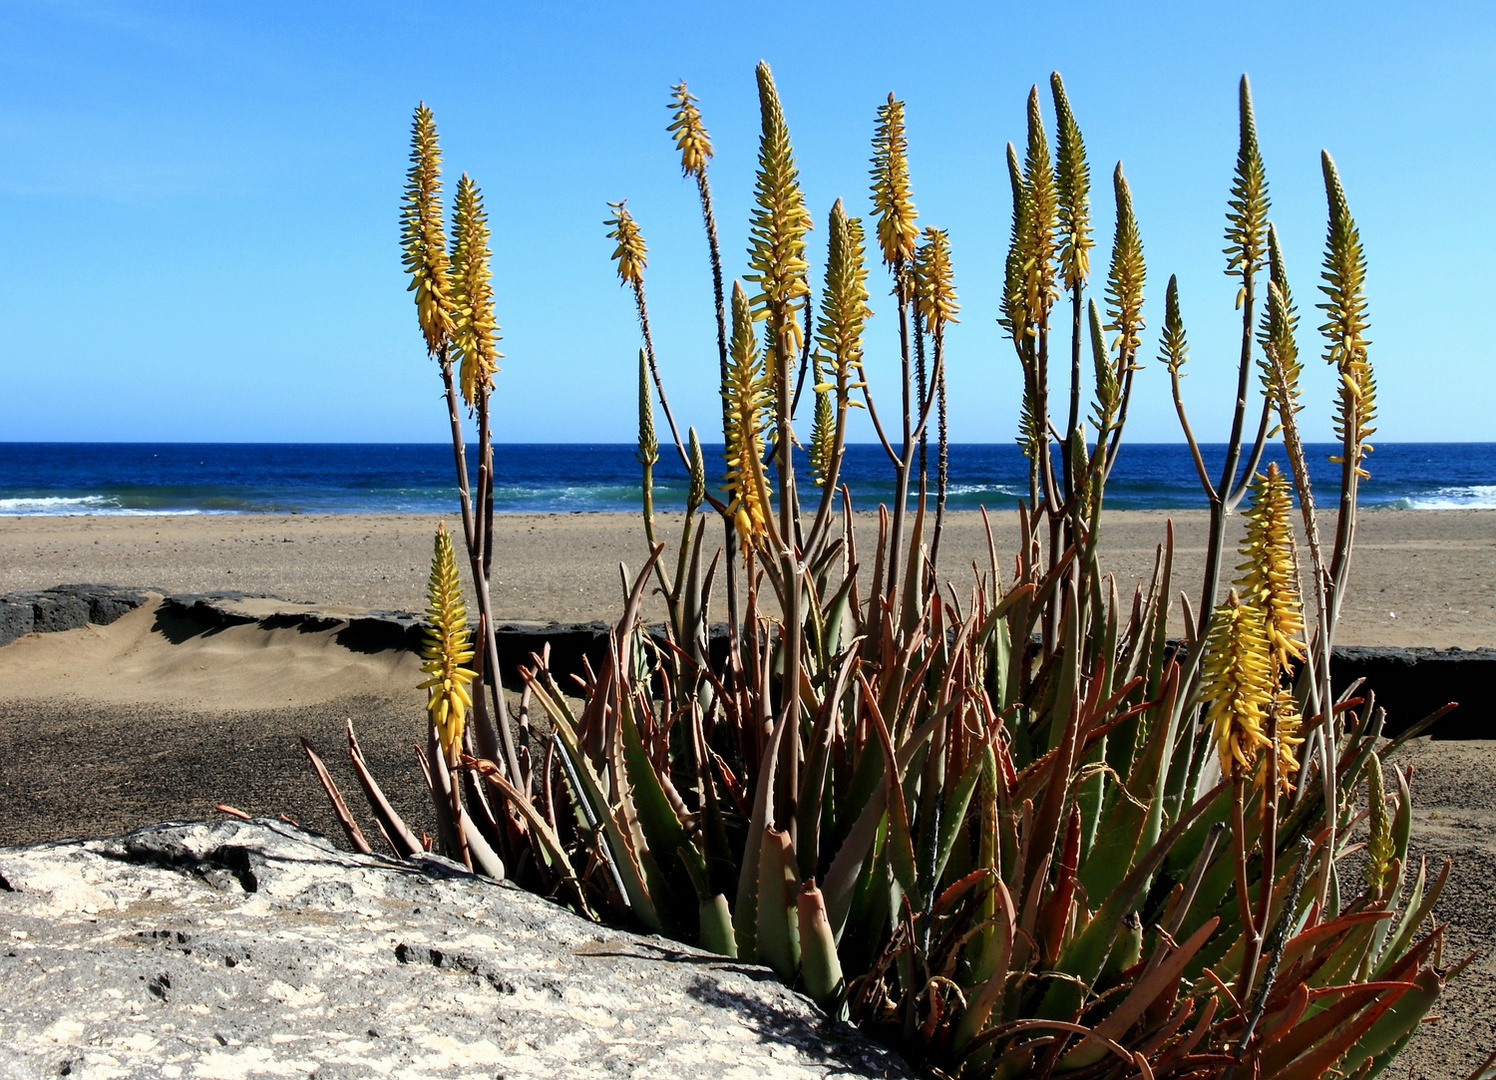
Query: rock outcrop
(253, 948)
(66, 607)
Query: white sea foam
(55, 505)
(987, 489)
(1474, 497)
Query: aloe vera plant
(1010, 828)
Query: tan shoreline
(1420, 578)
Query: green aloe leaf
(666, 837)
(588, 789)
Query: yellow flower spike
(691, 139)
(1347, 321)
(1015, 314)
(1246, 218)
(447, 650)
(1289, 724)
(474, 332)
(747, 393)
(1127, 273)
(1280, 321)
(776, 249)
(893, 202)
(844, 309)
(421, 233)
(1270, 578)
(1042, 242)
(696, 490)
(935, 286)
(1073, 188)
(1380, 848)
(630, 254)
(823, 429)
(1238, 683)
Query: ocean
(325, 478)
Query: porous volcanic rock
(253, 948)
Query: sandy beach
(109, 728)
(1425, 578)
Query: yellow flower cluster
(776, 245)
(934, 280)
(630, 254)
(421, 235)
(1270, 574)
(892, 199)
(747, 393)
(1238, 682)
(448, 649)
(1255, 636)
(474, 331)
(691, 139)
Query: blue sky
(198, 202)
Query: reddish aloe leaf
(900, 842)
(551, 848)
(399, 837)
(1318, 942)
(1307, 1034)
(1057, 909)
(1349, 1019)
(339, 807)
(1162, 975)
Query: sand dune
(147, 657)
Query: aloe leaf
(551, 850)
(716, 933)
(991, 990)
(1139, 807)
(1067, 683)
(1352, 952)
(339, 806)
(589, 791)
(912, 603)
(813, 776)
(953, 819)
(820, 967)
(1086, 953)
(1394, 1026)
(1163, 972)
(391, 824)
(434, 767)
(1353, 1017)
(440, 779)
(1398, 1025)
(1336, 1011)
(721, 867)
(849, 864)
(1420, 906)
(745, 919)
(778, 917)
(663, 832)
(841, 631)
(900, 842)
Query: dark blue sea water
(186, 478)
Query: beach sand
(1419, 577)
(109, 728)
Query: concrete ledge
(1412, 683)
